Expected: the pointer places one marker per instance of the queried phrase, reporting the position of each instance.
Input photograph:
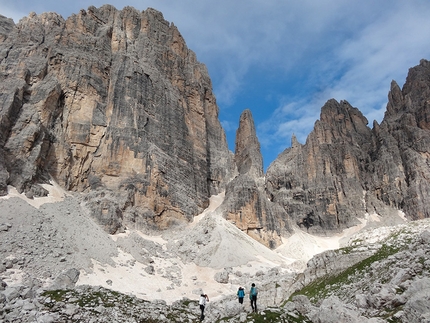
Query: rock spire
(246, 203)
(247, 155)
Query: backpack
(254, 291)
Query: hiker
(241, 294)
(202, 303)
(253, 297)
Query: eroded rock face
(403, 146)
(110, 100)
(112, 103)
(246, 203)
(313, 181)
(247, 154)
(346, 170)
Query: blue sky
(284, 59)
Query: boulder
(66, 279)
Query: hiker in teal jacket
(253, 297)
(241, 294)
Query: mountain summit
(346, 171)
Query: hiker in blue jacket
(241, 294)
(253, 297)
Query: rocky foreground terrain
(60, 266)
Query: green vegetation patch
(56, 295)
(325, 286)
(272, 316)
(90, 298)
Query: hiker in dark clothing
(202, 303)
(253, 297)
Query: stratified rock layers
(113, 101)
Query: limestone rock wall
(346, 170)
(110, 100)
(402, 146)
(112, 103)
(313, 181)
(247, 157)
(246, 203)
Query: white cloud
(383, 51)
(359, 70)
(296, 118)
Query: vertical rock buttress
(112, 103)
(246, 204)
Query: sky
(283, 59)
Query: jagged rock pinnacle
(248, 156)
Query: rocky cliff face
(346, 170)
(247, 156)
(112, 103)
(402, 146)
(246, 203)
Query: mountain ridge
(131, 133)
(136, 126)
(343, 158)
